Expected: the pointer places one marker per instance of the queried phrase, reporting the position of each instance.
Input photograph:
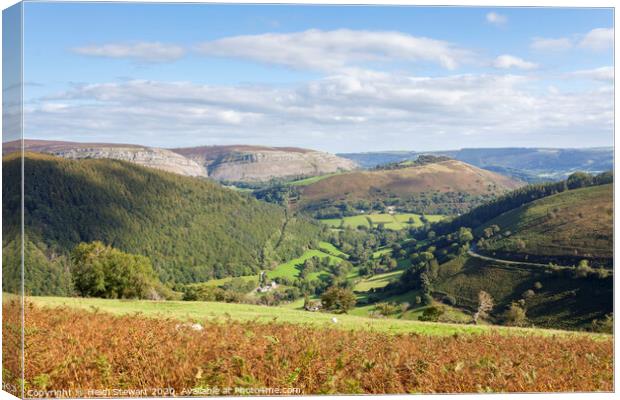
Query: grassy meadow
(226, 312)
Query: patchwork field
(391, 221)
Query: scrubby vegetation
(94, 350)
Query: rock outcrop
(257, 163)
(165, 160)
(224, 163)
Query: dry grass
(67, 349)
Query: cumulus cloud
(506, 61)
(341, 112)
(551, 44)
(496, 19)
(333, 50)
(598, 39)
(603, 74)
(137, 51)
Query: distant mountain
(530, 164)
(260, 163)
(445, 186)
(192, 229)
(224, 163)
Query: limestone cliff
(257, 163)
(225, 163)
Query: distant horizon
(610, 147)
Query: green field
(221, 312)
(291, 269)
(377, 281)
(312, 179)
(391, 221)
(331, 249)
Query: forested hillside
(192, 229)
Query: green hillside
(191, 228)
(571, 225)
(557, 299)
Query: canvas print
(233, 199)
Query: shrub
(427, 299)
(102, 271)
(515, 315)
(538, 285)
(338, 299)
(583, 270)
(386, 308)
(432, 314)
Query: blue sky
(326, 77)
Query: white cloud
(598, 39)
(137, 51)
(351, 112)
(604, 74)
(496, 19)
(506, 61)
(550, 44)
(335, 50)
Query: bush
(538, 285)
(338, 299)
(427, 299)
(102, 271)
(583, 270)
(387, 308)
(515, 315)
(432, 314)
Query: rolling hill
(571, 225)
(222, 163)
(529, 164)
(191, 228)
(449, 184)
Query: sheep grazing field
(81, 350)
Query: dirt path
(472, 252)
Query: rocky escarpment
(256, 163)
(224, 163)
(152, 157)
